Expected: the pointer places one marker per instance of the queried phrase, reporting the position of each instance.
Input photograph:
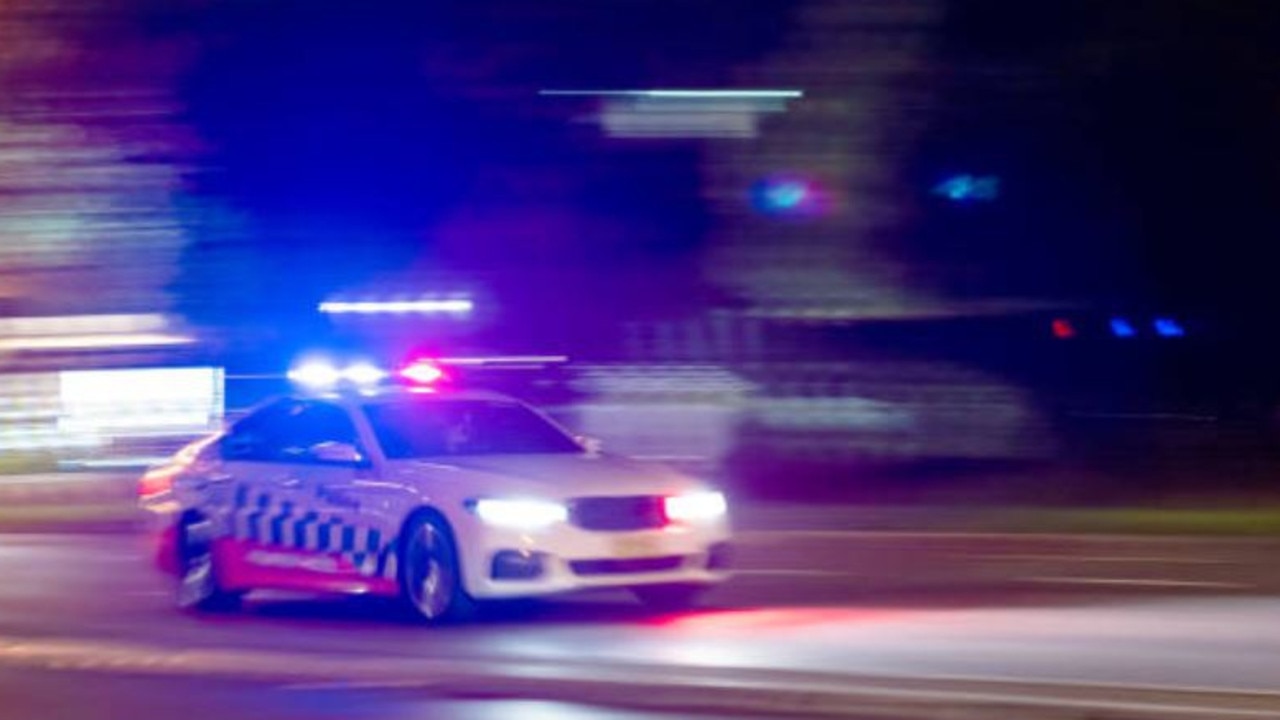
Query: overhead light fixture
(454, 306)
(688, 113)
(707, 94)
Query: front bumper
(500, 563)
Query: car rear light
(157, 481)
(161, 479)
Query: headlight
(520, 514)
(695, 506)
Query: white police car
(437, 497)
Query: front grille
(618, 513)
(625, 567)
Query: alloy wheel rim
(197, 580)
(434, 585)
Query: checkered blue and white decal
(260, 518)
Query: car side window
(287, 431)
(258, 436)
(313, 424)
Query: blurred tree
(91, 161)
(866, 70)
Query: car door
(260, 478)
(331, 517)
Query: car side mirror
(336, 453)
(592, 445)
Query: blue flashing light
(1168, 327)
(1121, 328)
(321, 374)
(315, 374)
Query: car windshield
(428, 428)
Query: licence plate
(637, 546)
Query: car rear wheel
(670, 597)
(198, 586)
(430, 578)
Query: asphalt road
(88, 596)
(41, 695)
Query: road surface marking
(1141, 582)
(628, 684)
(765, 537)
(789, 572)
(354, 685)
(1259, 693)
(951, 698)
(1100, 558)
(761, 536)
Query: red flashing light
(422, 372)
(1063, 329)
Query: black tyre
(430, 577)
(199, 589)
(665, 598)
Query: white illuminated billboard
(141, 400)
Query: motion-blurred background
(870, 251)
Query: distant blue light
(1121, 328)
(786, 195)
(965, 188)
(1168, 327)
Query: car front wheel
(430, 578)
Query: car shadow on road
(605, 609)
(619, 608)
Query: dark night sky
(330, 124)
(1136, 139)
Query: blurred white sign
(141, 400)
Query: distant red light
(422, 372)
(1063, 329)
